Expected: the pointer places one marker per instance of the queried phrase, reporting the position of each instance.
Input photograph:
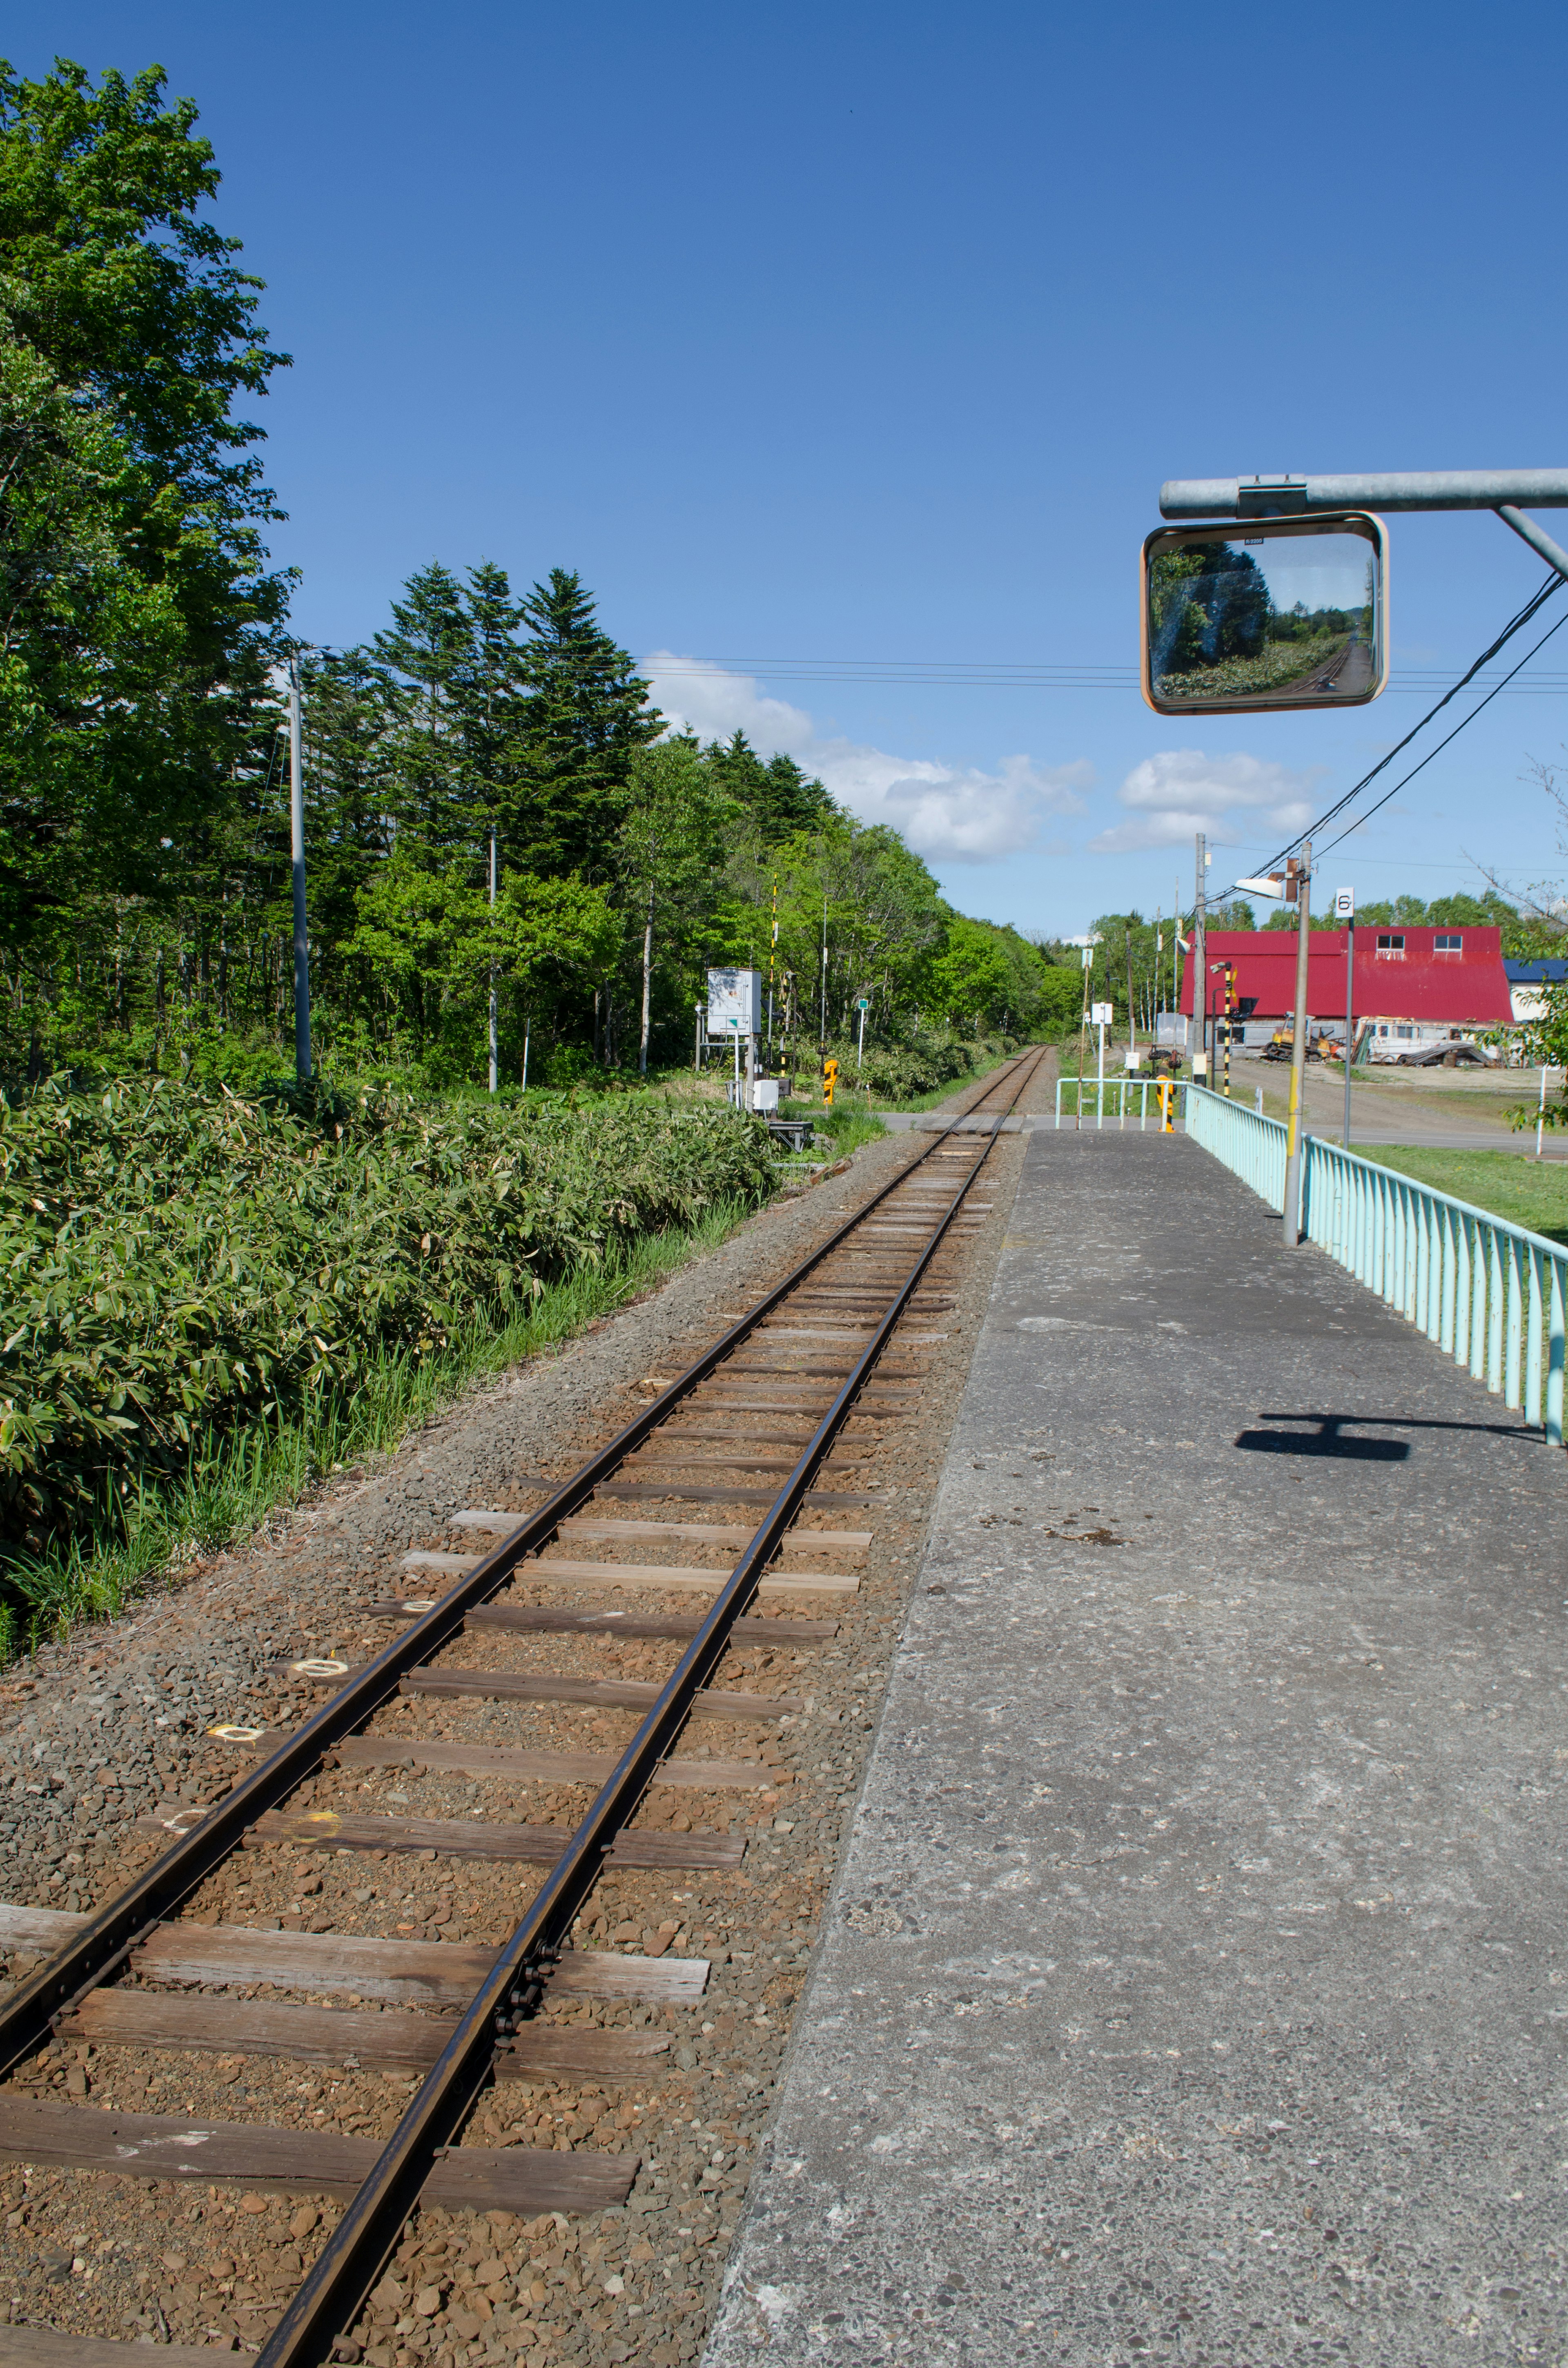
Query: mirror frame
(1267, 529)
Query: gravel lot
(97, 1734)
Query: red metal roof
(1465, 989)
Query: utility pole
(1345, 910)
(1298, 876)
(824, 1029)
(494, 1041)
(772, 960)
(1199, 967)
(296, 852)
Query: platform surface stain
(1197, 1981)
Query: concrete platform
(1197, 1983)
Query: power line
(994, 675)
(1516, 624)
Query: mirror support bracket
(1419, 489)
(1552, 553)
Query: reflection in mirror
(1265, 614)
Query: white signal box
(734, 1002)
(1102, 1015)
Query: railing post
(1466, 1288)
(1532, 1338)
(1446, 1320)
(1494, 1312)
(1513, 1346)
(1554, 1361)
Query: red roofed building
(1415, 986)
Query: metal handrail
(1099, 1087)
(1490, 1294)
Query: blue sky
(838, 344)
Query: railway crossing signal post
(1228, 970)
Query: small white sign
(1102, 1015)
(734, 1002)
(1345, 905)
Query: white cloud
(1182, 790)
(948, 814)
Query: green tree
(971, 977)
(135, 672)
(671, 845)
(776, 798)
(584, 717)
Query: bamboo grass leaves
(178, 1261)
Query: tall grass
(234, 1478)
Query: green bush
(917, 1064)
(179, 1261)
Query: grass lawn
(1526, 1192)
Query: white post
(751, 1071)
(494, 1041)
(296, 852)
(1099, 1097)
(528, 1027)
(861, 1047)
(696, 1055)
(1540, 1121)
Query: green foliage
(233, 1477)
(180, 1259)
(138, 613)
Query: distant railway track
(794, 1374)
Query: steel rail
(113, 1931)
(350, 2263)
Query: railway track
(752, 1455)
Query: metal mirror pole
(1292, 1213)
(1200, 968)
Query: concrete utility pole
(494, 1044)
(1200, 968)
(1301, 872)
(1345, 910)
(297, 852)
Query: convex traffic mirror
(1266, 613)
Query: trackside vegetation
(184, 1264)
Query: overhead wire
(1516, 624)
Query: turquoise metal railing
(1251, 1146)
(1490, 1294)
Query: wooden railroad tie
(525, 1685)
(315, 2034)
(473, 1837)
(402, 1973)
(534, 1617)
(526, 2180)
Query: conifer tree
(586, 714)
